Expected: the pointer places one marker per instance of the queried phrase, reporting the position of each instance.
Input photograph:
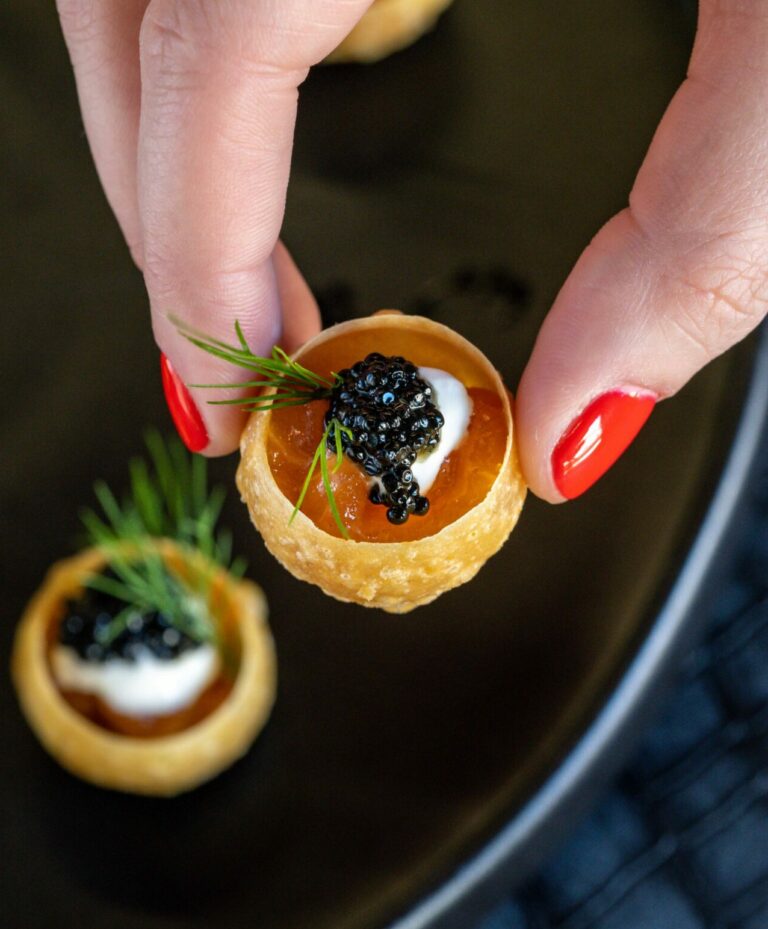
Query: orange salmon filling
(150, 727)
(463, 481)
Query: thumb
(669, 283)
(219, 85)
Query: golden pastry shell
(162, 766)
(394, 576)
(388, 26)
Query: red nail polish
(186, 417)
(597, 438)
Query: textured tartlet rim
(387, 27)
(163, 766)
(393, 576)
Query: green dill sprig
(293, 384)
(168, 498)
(334, 428)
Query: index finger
(219, 91)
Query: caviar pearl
(86, 629)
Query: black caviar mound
(84, 628)
(392, 417)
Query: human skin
(190, 105)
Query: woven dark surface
(681, 839)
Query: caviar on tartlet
(147, 679)
(330, 474)
(390, 418)
(144, 664)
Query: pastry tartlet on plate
(150, 696)
(398, 396)
(387, 27)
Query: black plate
(410, 757)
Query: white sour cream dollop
(148, 686)
(453, 401)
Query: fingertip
(196, 380)
(202, 431)
(532, 445)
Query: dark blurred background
(459, 179)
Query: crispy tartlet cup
(387, 27)
(393, 576)
(163, 766)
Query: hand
(209, 106)
(669, 283)
(189, 107)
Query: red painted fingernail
(597, 438)
(186, 416)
